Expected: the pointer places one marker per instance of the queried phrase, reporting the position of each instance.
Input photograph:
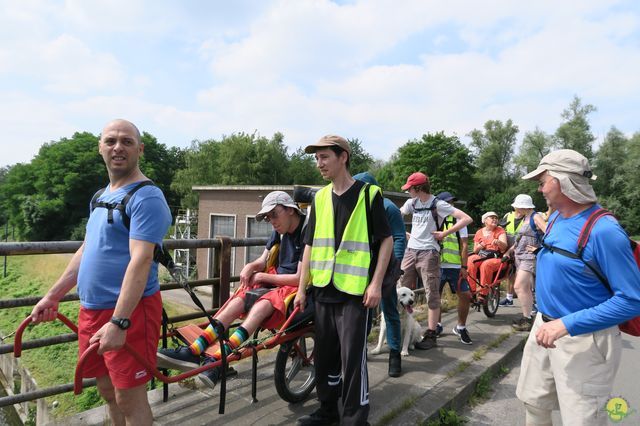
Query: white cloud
(380, 70)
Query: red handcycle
(487, 295)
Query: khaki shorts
(426, 264)
(528, 265)
(575, 377)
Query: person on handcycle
(269, 310)
(489, 243)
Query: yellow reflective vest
(511, 228)
(450, 244)
(349, 265)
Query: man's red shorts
(125, 372)
(276, 297)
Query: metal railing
(220, 287)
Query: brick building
(230, 211)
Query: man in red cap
(422, 257)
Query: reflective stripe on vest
(349, 265)
(450, 248)
(511, 228)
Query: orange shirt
(488, 241)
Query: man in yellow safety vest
(344, 259)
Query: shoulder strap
(434, 213)
(367, 208)
(583, 238)
(121, 206)
(588, 226)
(534, 227)
(94, 199)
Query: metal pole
(6, 236)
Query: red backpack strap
(583, 238)
(550, 225)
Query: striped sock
(236, 339)
(206, 339)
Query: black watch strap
(122, 323)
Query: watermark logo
(618, 409)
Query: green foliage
(447, 417)
(303, 169)
(201, 168)
(624, 200)
(446, 161)
(494, 149)
(575, 131)
(47, 198)
(360, 161)
(608, 161)
(535, 145)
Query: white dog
(411, 330)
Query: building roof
(203, 188)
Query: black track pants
(340, 358)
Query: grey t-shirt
(422, 223)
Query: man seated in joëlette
(269, 311)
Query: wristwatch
(122, 323)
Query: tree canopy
(48, 198)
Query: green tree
(360, 160)
(201, 168)
(535, 145)
(626, 203)
(575, 131)
(607, 164)
(302, 167)
(160, 164)
(250, 159)
(48, 199)
(494, 152)
(445, 159)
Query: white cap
(272, 200)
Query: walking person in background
(453, 264)
(526, 242)
(512, 222)
(117, 279)
(422, 257)
(573, 351)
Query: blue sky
(381, 71)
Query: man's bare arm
(47, 308)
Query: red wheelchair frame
(294, 350)
(487, 296)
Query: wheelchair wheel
(295, 375)
(492, 301)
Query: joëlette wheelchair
(294, 372)
(487, 295)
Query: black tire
(492, 301)
(295, 375)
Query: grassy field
(53, 365)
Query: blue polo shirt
(105, 256)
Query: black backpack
(433, 209)
(160, 255)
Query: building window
(256, 229)
(221, 226)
